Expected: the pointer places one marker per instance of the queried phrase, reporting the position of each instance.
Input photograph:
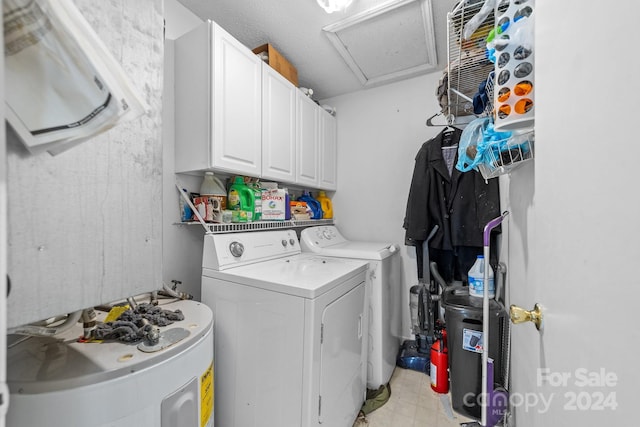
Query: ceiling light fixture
(331, 6)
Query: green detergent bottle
(257, 205)
(241, 201)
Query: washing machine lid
(328, 241)
(303, 275)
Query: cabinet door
(307, 135)
(278, 126)
(236, 100)
(328, 151)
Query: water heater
(59, 381)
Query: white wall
(178, 19)
(3, 245)
(182, 244)
(84, 226)
(380, 131)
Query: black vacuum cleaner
(424, 306)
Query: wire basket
(488, 109)
(502, 156)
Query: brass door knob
(520, 315)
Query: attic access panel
(392, 41)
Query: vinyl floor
(413, 404)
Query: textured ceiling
(294, 28)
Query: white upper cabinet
(278, 126)
(328, 151)
(316, 145)
(236, 114)
(218, 92)
(308, 142)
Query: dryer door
(342, 358)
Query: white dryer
(385, 294)
(290, 331)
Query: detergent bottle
(476, 279)
(325, 203)
(185, 210)
(241, 201)
(215, 195)
(257, 195)
(316, 209)
(287, 201)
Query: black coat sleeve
(416, 222)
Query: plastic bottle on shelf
(241, 201)
(213, 191)
(325, 204)
(185, 210)
(476, 279)
(257, 205)
(287, 206)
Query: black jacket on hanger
(460, 203)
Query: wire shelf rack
(468, 69)
(488, 109)
(259, 225)
(468, 64)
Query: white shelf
(260, 225)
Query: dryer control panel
(327, 240)
(323, 236)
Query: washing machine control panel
(227, 250)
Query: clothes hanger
(430, 120)
(449, 125)
(447, 131)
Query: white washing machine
(290, 330)
(385, 294)
(62, 382)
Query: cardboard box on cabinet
(279, 63)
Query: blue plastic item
(410, 357)
(287, 201)
(316, 207)
(481, 135)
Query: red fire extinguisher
(440, 365)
